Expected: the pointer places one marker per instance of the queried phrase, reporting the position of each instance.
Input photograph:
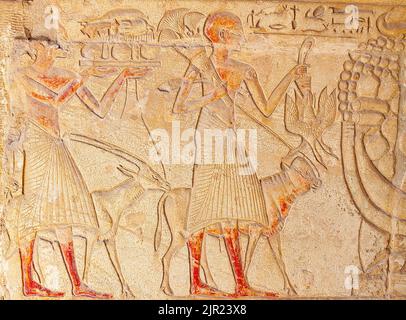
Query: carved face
(147, 177)
(234, 37)
(47, 53)
(306, 172)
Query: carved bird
(304, 119)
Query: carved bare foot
(84, 291)
(250, 292)
(35, 289)
(205, 290)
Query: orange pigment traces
(46, 122)
(79, 288)
(72, 89)
(197, 287)
(231, 239)
(54, 82)
(195, 247)
(41, 97)
(221, 22)
(274, 225)
(31, 287)
(232, 78)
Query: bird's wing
(292, 121)
(327, 109)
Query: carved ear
(128, 172)
(300, 164)
(222, 34)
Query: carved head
(148, 178)
(46, 52)
(224, 28)
(307, 177)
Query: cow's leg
(205, 266)
(403, 269)
(64, 236)
(254, 233)
(275, 245)
(31, 287)
(91, 238)
(177, 242)
(112, 251)
(231, 237)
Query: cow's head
(306, 176)
(148, 178)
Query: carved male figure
(225, 193)
(55, 196)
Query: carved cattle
(280, 191)
(110, 205)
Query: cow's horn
(284, 165)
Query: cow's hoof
(291, 292)
(127, 293)
(167, 290)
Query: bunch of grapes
(373, 59)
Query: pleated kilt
(223, 191)
(55, 193)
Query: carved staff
(304, 83)
(116, 150)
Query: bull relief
(200, 150)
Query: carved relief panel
(201, 149)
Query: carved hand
(299, 71)
(219, 92)
(135, 72)
(100, 72)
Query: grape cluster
(373, 58)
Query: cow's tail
(161, 212)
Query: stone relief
(153, 150)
